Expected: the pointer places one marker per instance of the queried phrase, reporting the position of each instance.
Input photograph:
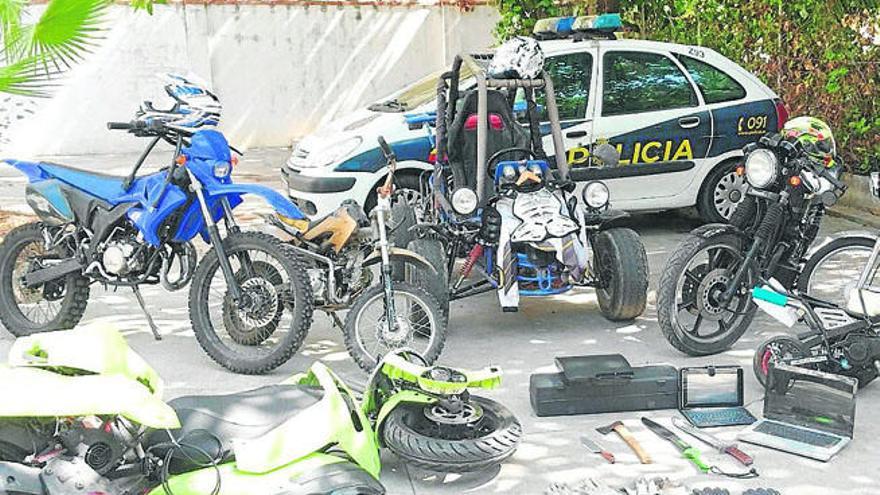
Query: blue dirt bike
(250, 300)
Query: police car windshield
(418, 93)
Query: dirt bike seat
(210, 423)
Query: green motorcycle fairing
(44, 393)
(234, 481)
(334, 420)
(396, 367)
(82, 372)
(90, 349)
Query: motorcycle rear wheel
(417, 440)
(686, 292)
(57, 305)
(834, 269)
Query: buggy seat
(503, 132)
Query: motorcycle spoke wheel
(418, 325)
(835, 272)
(260, 321)
(42, 304)
(377, 338)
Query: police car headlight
(596, 195)
(761, 168)
(464, 201)
(333, 153)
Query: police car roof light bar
(578, 28)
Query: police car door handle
(576, 134)
(689, 122)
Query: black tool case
(602, 384)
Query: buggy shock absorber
(469, 263)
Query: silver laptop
(806, 412)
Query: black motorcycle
(704, 301)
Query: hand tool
(688, 452)
(619, 428)
(597, 449)
(716, 443)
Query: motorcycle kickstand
(336, 321)
(140, 300)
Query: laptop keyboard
(721, 416)
(801, 435)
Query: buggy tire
(73, 304)
(667, 291)
(452, 456)
(302, 315)
(437, 284)
(350, 335)
(623, 268)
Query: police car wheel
(722, 190)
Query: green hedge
(821, 56)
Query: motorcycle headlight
(222, 169)
(761, 168)
(332, 154)
(464, 201)
(596, 195)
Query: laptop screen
(812, 399)
(717, 386)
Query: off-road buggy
(504, 208)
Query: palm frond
(65, 32)
(10, 21)
(27, 77)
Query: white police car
(679, 115)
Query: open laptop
(806, 412)
(713, 396)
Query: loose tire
(773, 350)
(359, 323)
(437, 284)
(623, 270)
(73, 291)
(297, 291)
(667, 298)
(722, 190)
(404, 434)
(848, 279)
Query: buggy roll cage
(478, 64)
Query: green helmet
(815, 136)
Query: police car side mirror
(605, 155)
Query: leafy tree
(32, 55)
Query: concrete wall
(280, 70)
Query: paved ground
(522, 343)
